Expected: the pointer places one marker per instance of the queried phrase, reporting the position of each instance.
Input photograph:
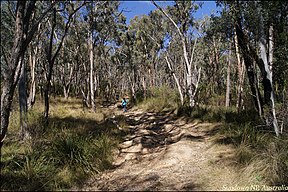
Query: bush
(160, 99)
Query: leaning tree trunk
(12, 71)
(267, 74)
(51, 58)
(240, 69)
(177, 82)
(248, 61)
(21, 41)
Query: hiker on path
(124, 104)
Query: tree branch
(67, 26)
(34, 28)
(172, 21)
(11, 12)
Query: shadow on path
(148, 141)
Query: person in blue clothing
(124, 104)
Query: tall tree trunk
(67, 85)
(21, 41)
(216, 66)
(177, 82)
(132, 89)
(270, 66)
(46, 94)
(191, 81)
(12, 72)
(228, 86)
(91, 71)
(211, 86)
(144, 86)
(51, 58)
(271, 49)
(66, 90)
(240, 69)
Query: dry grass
(260, 156)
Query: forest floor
(166, 152)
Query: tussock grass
(261, 157)
(64, 153)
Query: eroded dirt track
(163, 152)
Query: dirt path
(163, 152)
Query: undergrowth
(74, 146)
(160, 100)
(261, 156)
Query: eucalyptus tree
(125, 62)
(67, 71)
(104, 23)
(110, 29)
(181, 18)
(34, 59)
(219, 38)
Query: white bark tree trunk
(240, 68)
(92, 98)
(271, 49)
(32, 64)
